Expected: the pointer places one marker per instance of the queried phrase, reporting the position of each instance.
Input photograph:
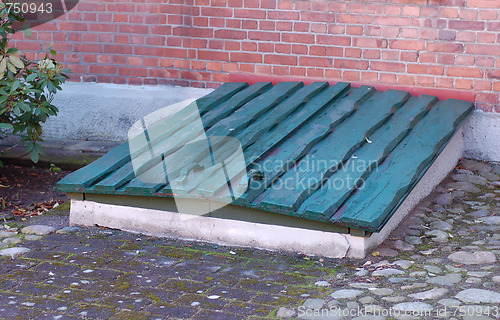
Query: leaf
(53, 52)
(12, 50)
(23, 106)
(11, 67)
(27, 30)
(6, 126)
(16, 61)
(31, 77)
(34, 155)
(3, 65)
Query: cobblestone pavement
(441, 263)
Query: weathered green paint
(372, 205)
(283, 125)
(324, 202)
(309, 173)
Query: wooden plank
(249, 135)
(324, 203)
(235, 102)
(372, 205)
(219, 95)
(310, 124)
(284, 128)
(86, 176)
(324, 158)
(245, 115)
(116, 179)
(231, 125)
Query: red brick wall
(443, 44)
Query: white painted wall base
(482, 136)
(105, 112)
(258, 235)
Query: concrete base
(481, 136)
(105, 112)
(259, 235)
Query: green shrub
(27, 87)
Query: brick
(391, 21)
(333, 74)
(354, 30)
(409, 56)
(87, 47)
(269, 25)
(485, 37)
(447, 35)
(297, 38)
(351, 64)
(388, 78)
(371, 54)
(487, 98)
(425, 81)
(464, 72)
(404, 79)
(370, 43)
(493, 26)
(353, 53)
(449, 12)
(487, 14)
(299, 49)
(317, 51)
(334, 51)
(99, 69)
(249, 14)
(213, 55)
(466, 25)
(407, 45)
(193, 32)
(494, 4)
(425, 69)
(487, 62)
(482, 49)
(230, 34)
(315, 72)
(444, 83)
(350, 75)
(280, 71)
(280, 59)
(294, 71)
(493, 74)
(136, 72)
(315, 61)
(245, 57)
(266, 47)
(283, 15)
(301, 26)
(73, 26)
(446, 59)
(445, 47)
(387, 66)
(369, 76)
(333, 40)
(232, 45)
(413, 11)
(354, 19)
(409, 33)
(483, 85)
(464, 84)
(263, 36)
(427, 57)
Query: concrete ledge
(260, 235)
(482, 136)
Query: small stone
(195, 303)
(413, 240)
(38, 229)
(285, 313)
(496, 279)
(474, 165)
(489, 176)
(444, 199)
(382, 291)
(11, 241)
(441, 225)
(346, 294)
(352, 305)
(367, 300)
(464, 186)
(418, 274)
(429, 294)
(490, 220)
(394, 299)
(32, 237)
(387, 252)
(362, 273)
(470, 178)
(437, 235)
(449, 302)
(213, 297)
(314, 304)
(478, 296)
(417, 307)
(478, 257)
(6, 234)
(449, 279)
(362, 285)
(478, 274)
(403, 264)
(67, 230)
(473, 280)
(322, 283)
(403, 246)
(369, 317)
(14, 251)
(387, 272)
(433, 269)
